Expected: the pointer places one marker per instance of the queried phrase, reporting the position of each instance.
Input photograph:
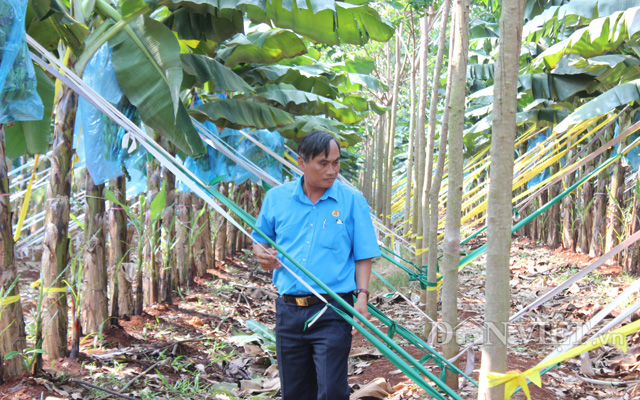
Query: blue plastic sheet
(19, 99)
(98, 139)
(214, 164)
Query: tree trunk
(152, 237)
(420, 133)
(584, 238)
(553, 214)
(199, 251)
(568, 217)
(431, 304)
(167, 273)
(55, 256)
(497, 291)
(94, 312)
(183, 226)
(367, 172)
(12, 335)
(451, 244)
(614, 210)
(122, 290)
(598, 233)
(632, 255)
(392, 126)
(221, 238)
(232, 231)
(410, 153)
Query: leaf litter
(216, 342)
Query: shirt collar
(298, 192)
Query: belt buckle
(302, 301)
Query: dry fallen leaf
(195, 321)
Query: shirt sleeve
(265, 221)
(365, 243)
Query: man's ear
(301, 163)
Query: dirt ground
(215, 341)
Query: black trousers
(313, 363)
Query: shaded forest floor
(211, 342)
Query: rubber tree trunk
(55, 255)
(12, 334)
(431, 304)
(392, 125)
(94, 310)
(121, 288)
(367, 173)
(379, 150)
(151, 268)
(420, 133)
(410, 151)
(451, 244)
(168, 269)
(183, 226)
(497, 291)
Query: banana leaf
(601, 105)
(149, 71)
(602, 35)
(308, 123)
(206, 69)
(207, 25)
(238, 114)
(310, 78)
(328, 21)
(300, 102)
(262, 48)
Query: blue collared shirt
(326, 238)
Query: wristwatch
(358, 291)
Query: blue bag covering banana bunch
(19, 100)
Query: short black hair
(315, 143)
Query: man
(326, 227)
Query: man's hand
(361, 307)
(266, 257)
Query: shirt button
(311, 225)
(314, 207)
(308, 242)
(304, 259)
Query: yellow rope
(25, 201)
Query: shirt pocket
(335, 236)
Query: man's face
(321, 171)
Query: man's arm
(363, 273)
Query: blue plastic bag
(99, 140)
(19, 99)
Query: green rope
(399, 256)
(417, 342)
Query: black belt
(309, 300)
